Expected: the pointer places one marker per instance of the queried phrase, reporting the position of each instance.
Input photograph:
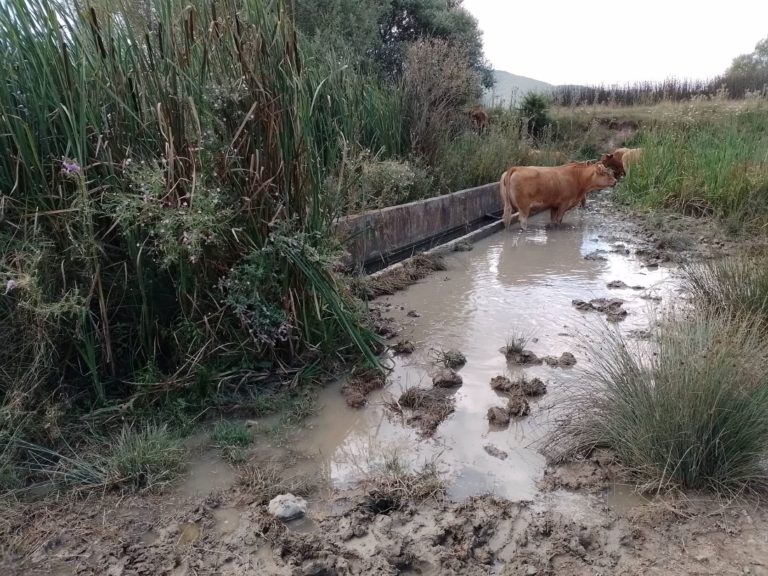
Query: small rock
(498, 416)
(287, 507)
(495, 452)
(413, 314)
(617, 284)
(404, 347)
(447, 378)
(518, 406)
(596, 256)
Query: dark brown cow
(557, 189)
(479, 118)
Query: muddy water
(512, 281)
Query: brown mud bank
(392, 527)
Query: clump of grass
(412, 270)
(265, 480)
(228, 433)
(694, 414)
(144, 458)
(516, 343)
(737, 285)
(393, 485)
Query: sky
(574, 42)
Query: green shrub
(534, 109)
(693, 414)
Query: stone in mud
(620, 284)
(287, 507)
(498, 416)
(495, 452)
(518, 406)
(404, 347)
(447, 378)
(501, 384)
(533, 387)
(413, 314)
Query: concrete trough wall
(377, 234)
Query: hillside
(512, 87)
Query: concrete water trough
(379, 238)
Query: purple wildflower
(70, 167)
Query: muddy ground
(586, 519)
(363, 532)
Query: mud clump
(533, 387)
(463, 247)
(451, 359)
(518, 406)
(566, 360)
(404, 347)
(360, 384)
(413, 314)
(495, 452)
(620, 284)
(596, 256)
(520, 387)
(611, 307)
(501, 384)
(521, 357)
(498, 416)
(429, 408)
(382, 325)
(447, 378)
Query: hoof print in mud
(404, 347)
(287, 507)
(566, 360)
(611, 307)
(495, 452)
(447, 378)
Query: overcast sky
(573, 42)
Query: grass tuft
(694, 414)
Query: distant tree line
(747, 76)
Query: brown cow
(620, 159)
(479, 118)
(557, 189)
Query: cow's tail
(508, 202)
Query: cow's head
(602, 176)
(613, 162)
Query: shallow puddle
(205, 474)
(512, 281)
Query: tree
(534, 110)
(753, 63)
(377, 32)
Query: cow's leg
(523, 216)
(507, 213)
(552, 215)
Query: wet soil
(498, 508)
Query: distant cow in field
(620, 160)
(557, 189)
(479, 118)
